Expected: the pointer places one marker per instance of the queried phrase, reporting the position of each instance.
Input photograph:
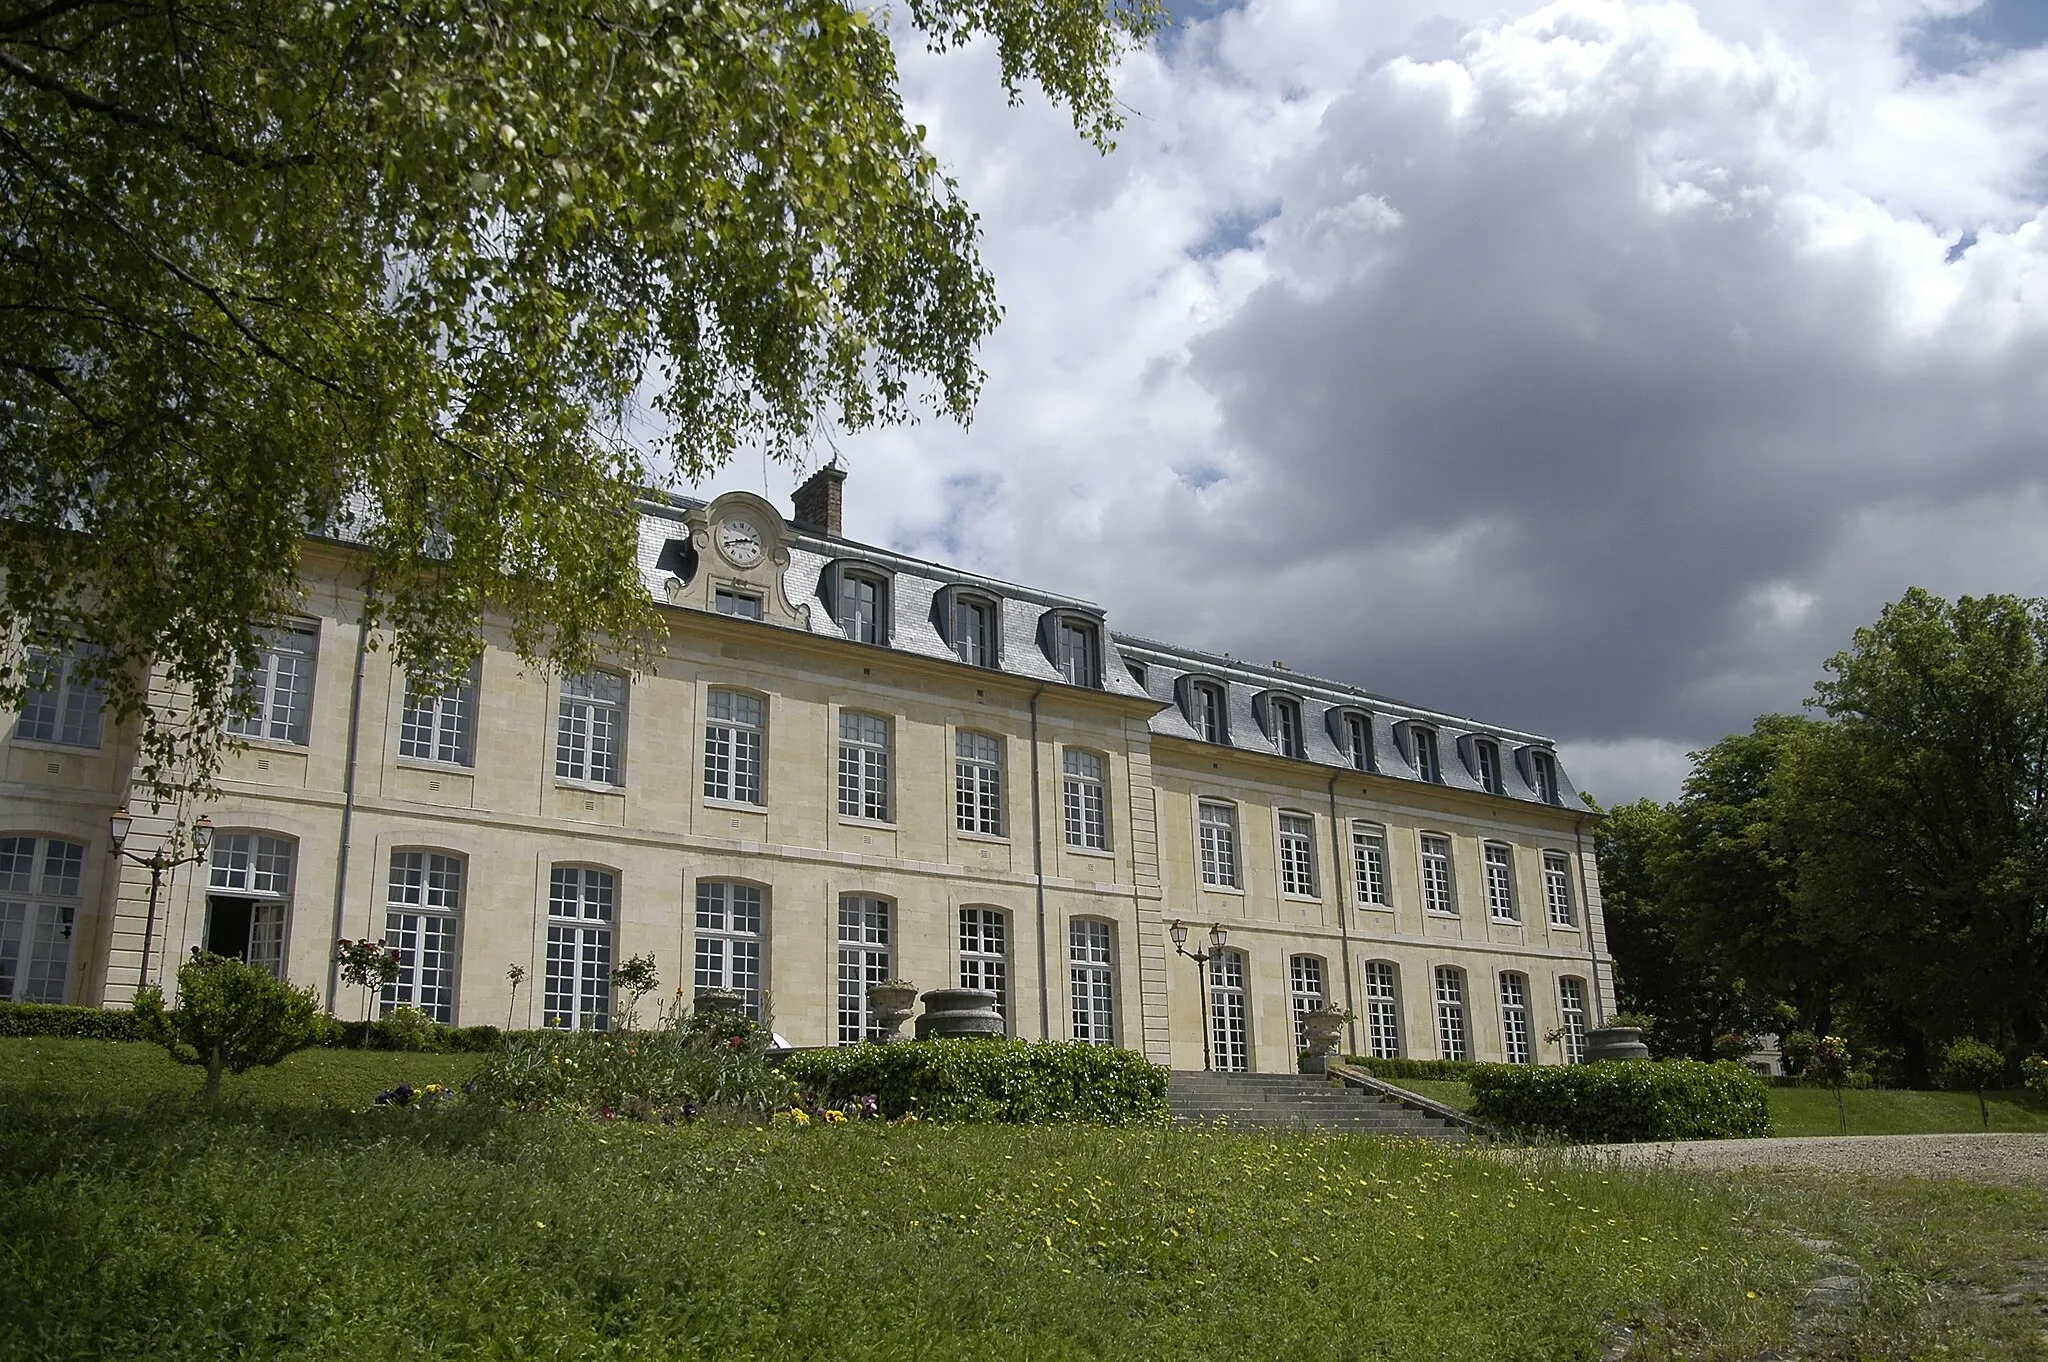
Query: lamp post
(158, 862)
(1218, 939)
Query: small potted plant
(892, 1001)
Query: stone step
(1293, 1101)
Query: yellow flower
(802, 1118)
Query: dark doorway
(227, 926)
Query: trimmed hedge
(1009, 1081)
(1394, 1070)
(80, 1023)
(1621, 1101)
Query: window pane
(1514, 1019)
(1219, 845)
(1382, 1011)
(1305, 992)
(1090, 974)
(1369, 863)
(1085, 808)
(1229, 1034)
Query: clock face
(740, 542)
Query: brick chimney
(817, 502)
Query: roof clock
(739, 541)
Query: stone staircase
(1290, 1101)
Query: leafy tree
(1972, 1066)
(230, 1017)
(406, 270)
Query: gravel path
(2015, 1160)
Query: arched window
(1305, 992)
(1543, 775)
(865, 959)
(860, 604)
(1351, 730)
(733, 726)
(1486, 765)
(422, 916)
(1073, 644)
(978, 782)
(1283, 720)
(41, 892)
(1428, 764)
(1382, 1009)
(1091, 969)
(1085, 800)
(582, 901)
(1571, 1008)
(249, 899)
(1514, 1018)
(729, 934)
(985, 953)
(1229, 1028)
(1207, 708)
(1451, 1031)
(971, 623)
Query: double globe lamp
(158, 861)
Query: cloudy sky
(1592, 368)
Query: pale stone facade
(975, 856)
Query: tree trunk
(215, 1065)
(1983, 1109)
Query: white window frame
(1358, 741)
(583, 903)
(1369, 864)
(1571, 1016)
(1217, 823)
(1230, 1037)
(1288, 738)
(1429, 758)
(865, 741)
(863, 618)
(1557, 890)
(590, 729)
(1544, 765)
(259, 867)
(1486, 756)
(1517, 1042)
(423, 924)
(978, 782)
(866, 956)
(732, 917)
(442, 727)
(1383, 1009)
(1453, 1021)
(42, 894)
(1498, 859)
(64, 709)
(985, 953)
(1085, 799)
(1307, 989)
(972, 624)
(1439, 883)
(1210, 703)
(1298, 854)
(287, 664)
(1091, 974)
(1077, 649)
(735, 737)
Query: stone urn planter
(1321, 1028)
(717, 1000)
(1615, 1042)
(959, 1012)
(892, 1001)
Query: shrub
(1969, 1065)
(693, 1061)
(1011, 1081)
(411, 1029)
(1620, 1101)
(1797, 1047)
(231, 1017)
(79, 1023)
(2034, 1071)
(1394, 1070)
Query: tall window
(1304, 992)
(1091, 971)
(1080, 653)
(441, 727)
(1557, 889)
(41, 892)
(1369, 864)
(1229, 1034)
(729, 941)
(1219, 844)
(1500, 882)
(62, 705)
(863, 766)
(578, 994)
(861, 608)
(1436, 874)
(1382, 1010)
(1450, 1013)
(1298, 854)
(1427, 765)
(421, 909)
(248, 904)
(978, 782)
(1488, 755)
(985, 953)
(863, 960)
(1514, 1018)
(1086, 801)
(279, 692)
(1545, 767)
(590, 733)
(1358, 741)
(1571, 1008)
(974, 631)
(732, 746)
(1210, 714)
(1287, 738)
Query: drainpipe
(1592, 949)
(1343, 922)
(348, 806)
(1038, 874)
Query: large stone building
(850, 765)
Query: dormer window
(1486, 761)
(863, 602)
(1286, 724)
(1356, 739)
(1427, 764)
(1073, 643)
(1137, 671)
(970, 623)
(1207, 712)
(1543, 767)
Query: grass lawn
(292, 1223)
